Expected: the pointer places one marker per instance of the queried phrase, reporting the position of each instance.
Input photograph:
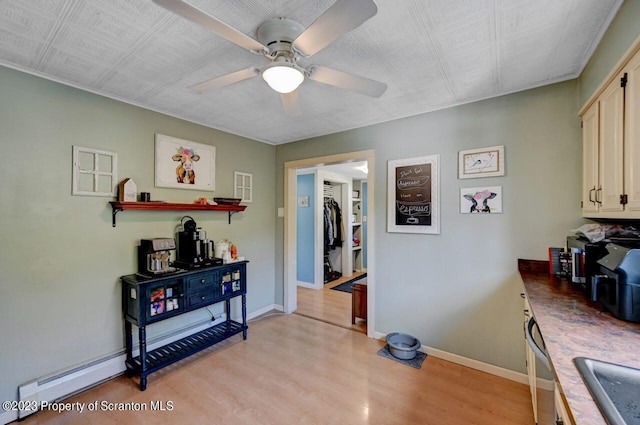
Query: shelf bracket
(230, 214)
(114, 211)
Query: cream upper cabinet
(590, 156)
(611, 148)
(632, 135)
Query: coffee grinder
(194, 249)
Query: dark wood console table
(151, 300)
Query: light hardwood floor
(296, 370)
(329, 305)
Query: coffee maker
(194, 249)
(154, 256)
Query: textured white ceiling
(432, 54)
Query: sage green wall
(621, 34)
(460, 291)
(60, 258)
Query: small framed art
(182, 164)
(483, 162)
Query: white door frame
(290, 220)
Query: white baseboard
(511, 375)
(307, 285)
(6, 417)
(264, 310)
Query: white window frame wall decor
(94, 171)
(243, 186)
(483, 162)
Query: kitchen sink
(615, 389)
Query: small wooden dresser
(359, 302)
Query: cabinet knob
(203, 298)
(202, 281)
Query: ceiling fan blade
(343, 16)
(225, 80)
(200, 17)
(291, 104)
(347, 81)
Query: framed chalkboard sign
(413, 200)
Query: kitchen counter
(573, 326)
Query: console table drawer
(203, 298)
(202, 281)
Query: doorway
(290, 224)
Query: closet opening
(331, 243)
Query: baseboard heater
(66, 383)
(69, 382)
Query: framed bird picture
(483, 162)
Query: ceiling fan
(284, 41)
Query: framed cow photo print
(182, 164)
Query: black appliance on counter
(585, 256)
(154, 256)
(616, 283)
(194, 249)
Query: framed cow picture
(481, 200)
(182, 164)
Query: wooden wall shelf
(118, 206)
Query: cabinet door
(590, 159)
(530, 362)
(611, 147)
(561, 408)
(632, 135)
(164, 299)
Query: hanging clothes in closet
(333, 231)
(333, 227)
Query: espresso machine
(194, 249)
(154, 256)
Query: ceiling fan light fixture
(283, 77)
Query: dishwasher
(542, 400)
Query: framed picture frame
(413, 195)
(243, 186)
(355, 194)
(483, 162)
(94, 172)
(481, 200)
(182, 164)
